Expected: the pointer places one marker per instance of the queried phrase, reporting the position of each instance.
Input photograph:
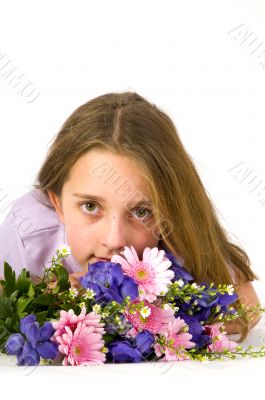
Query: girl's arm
(247, 296)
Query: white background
(186, 57)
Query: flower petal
(14, 344)
(29, 319)
(47, 350)
(46, 331)
(29, 355)
(130, 255)
(33, 333)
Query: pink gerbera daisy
(70, 319)
(178, 339)
(152, 274)
(155, 322)
(83, 346)
(220, 340)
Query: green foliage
(62, 280)
(4, 333)
(6, 309)
(9, 284)
(22, 297)
(46, 299)
(23, 282)
(21, 305)
(41, 317)
(109, 337)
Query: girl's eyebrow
(99, 198)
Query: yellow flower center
(141, 274)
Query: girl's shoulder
(33, 212)
(31, 233)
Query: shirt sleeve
(11, 248)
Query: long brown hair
(128, 124)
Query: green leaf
(4, 334)
(23, 281)
(41, 317)
(10, 322)
(6, 309)
(9, 283)
(22, 304)
(44, 299)
(109, 337)
(31, 291)
(13, 297)
(62, 280)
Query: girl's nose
(114, 236)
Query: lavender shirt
(31, 233)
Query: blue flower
(109, 283)
(179, 271)
(144, 342)
(226, 299)
(199, 337)
(131, 351)
(207, 303)
(123, 352)
(32, 343)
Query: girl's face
(104, 207)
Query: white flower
(83, 304)
(230, 289)
(105, 314)
(96, 308)
(90, 294)
(180, 282)
(167, 306)
(145, 311)
(73, 292)
(194, 285)
(64, 250)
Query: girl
(118, 174)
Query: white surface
(159, 380)
(129, 381)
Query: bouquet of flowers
(127, 310)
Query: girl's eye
(139, 211)
(88, 209)
(144, 210)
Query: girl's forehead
(104, 173)
(105, 165)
